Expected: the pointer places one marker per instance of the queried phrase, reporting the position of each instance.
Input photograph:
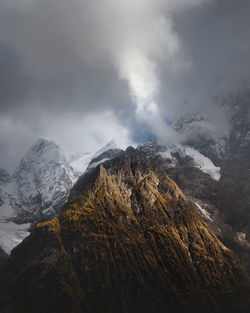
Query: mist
(85, 72)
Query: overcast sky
(83, 72)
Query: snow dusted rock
(90, 160)
(193, 172)
(4, 177)
(80, 164)
(38, 188)
(202, 162)
(202, 135)
(106, 153)
(173, 155)
(200, 180)
(41, 183)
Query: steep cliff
(127, 240)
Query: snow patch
(12, 234)
(97, 163)
(200, 161)
(203, 211)
(109, 146)
(80, 165)
(166, 154)
(204, 163)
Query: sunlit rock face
(127, 240)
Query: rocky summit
(127, 240)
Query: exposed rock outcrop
(127, 240)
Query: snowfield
(11, 234)
(204, 163)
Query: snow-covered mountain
(36, 191)
(39, 187)
(41, 182)
(210, 167)
(44, 178)
(172, 155)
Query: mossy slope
(127, 241)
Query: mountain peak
(109, 146)
(42, 181)
(42, 146)
(44, 141)
(127, 240)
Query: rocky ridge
(127, 240)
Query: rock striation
(127, 240)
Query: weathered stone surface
(128, 240)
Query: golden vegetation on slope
(51, 226)
(127, 241)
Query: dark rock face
(234, 193)
(231, 153)
(127, 241)
(182, 170)
(227, 200)
(3, 256)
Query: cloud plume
(135, 65)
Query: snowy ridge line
(200, 161)
(97, 163)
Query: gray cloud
(216, 38)
(82, 73)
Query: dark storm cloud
(82, 72)
(216, 39)
(13, 83)
(47, 58)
